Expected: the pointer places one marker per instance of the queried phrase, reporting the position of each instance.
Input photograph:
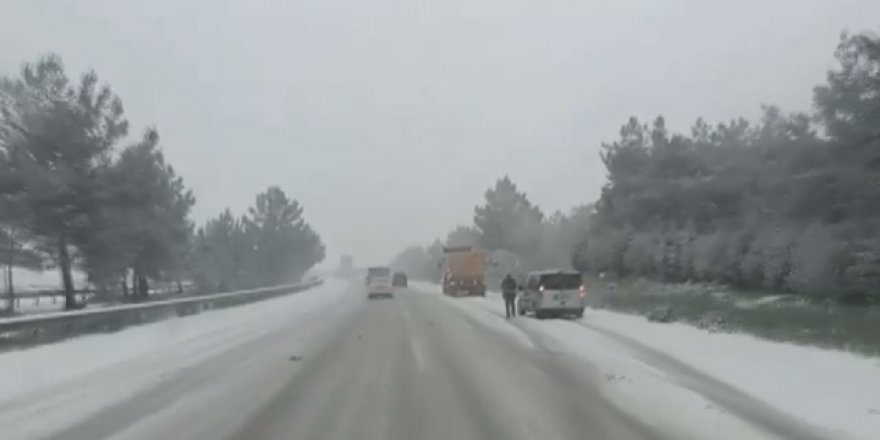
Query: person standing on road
(508, 290)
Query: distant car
(379, 283)
(553, 293)
(399, 279)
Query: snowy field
(31, 281)
(679, 375)
(29, 305)
(47, 388)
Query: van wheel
(539, 314)
(579, 313)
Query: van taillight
(582, 291)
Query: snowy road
(415, 368)
(328, 364)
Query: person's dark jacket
(508, 286)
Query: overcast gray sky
(388, 119)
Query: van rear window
(379, 272)
(561, 281)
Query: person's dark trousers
(509, 307)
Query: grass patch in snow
(783, 318)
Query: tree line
(77, 194)
(270, 244)
(516, 233)
(788, 203)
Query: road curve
(413, 367)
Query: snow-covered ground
(716, 386)
(30, 281)
(44, 304)
(47, 388)
(834, 389)
(26, 280)
(672, 372)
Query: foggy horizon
(323, 100)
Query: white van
(379, 282)
(553, 293)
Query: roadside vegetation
(790, 203)
(78, 193)
(716, 308)
(786, 205)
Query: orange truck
(464, 271)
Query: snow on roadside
(644, 391)
(49, 387)
(833, 389)
(36, 305)
(633, 386)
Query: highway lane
(416, 368)
(413, 367)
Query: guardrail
(39, 329)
